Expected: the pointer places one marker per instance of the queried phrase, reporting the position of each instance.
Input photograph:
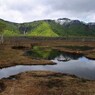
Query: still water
(79, 66)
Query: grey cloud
(28, 10)
(72, 5)
(20, 5)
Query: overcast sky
(30, 10)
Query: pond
(66, 63)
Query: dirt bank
(46, 83)
(11, 57)
(13, 54)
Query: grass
(47, 28)
(10, 56)
(10, 33)
(47, 83)
(91, 55)
(41, 82)
(43, 30)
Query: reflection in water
(67, 57)
(62, 58)
(82, 67)
(48, 53)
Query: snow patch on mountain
(62, 21)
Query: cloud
(73, 5)
(29, 10)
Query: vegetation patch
(43, 29)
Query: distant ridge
(62, 27)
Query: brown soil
(13, 53)
(41, 82)
(11, 57)
(46, 83)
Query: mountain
(11, 28)
(61, 27)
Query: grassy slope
(43, 29)
(11, 28)
(57, 28)
(48, 28)
(79, 30)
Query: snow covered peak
(63, 21)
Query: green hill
(49, 28)
(11, 28)
(43, 29)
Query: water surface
(79, 66)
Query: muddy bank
(46, 83)
(13, 54)
(42, 82)
(11, 57)
(90, 56)
(76, 47)
(89, 53)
